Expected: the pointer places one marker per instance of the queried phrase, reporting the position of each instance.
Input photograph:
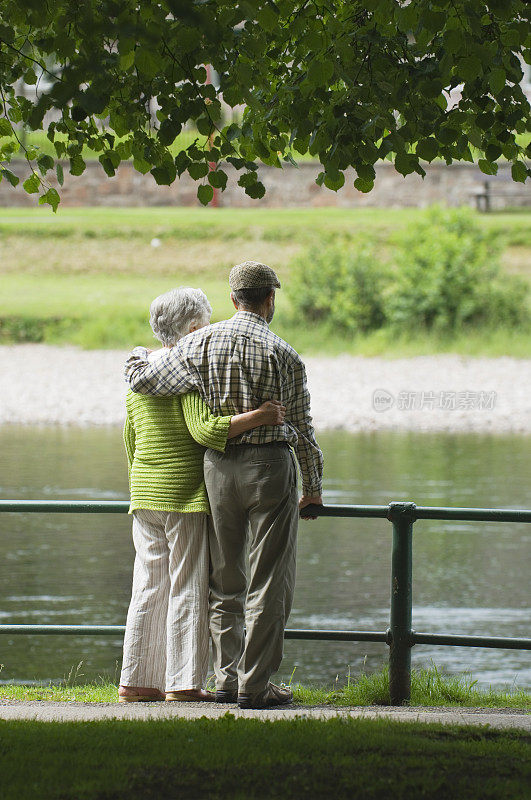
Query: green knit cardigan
(165, 439)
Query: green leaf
(492, 152)
(125, 43)
(204, 125)
(447, 135)
(200, 74)
(485, 121)
(320, 73)
(188, 40)
(78, 113)
(127, 60)
(256, 190)
(405, 163)
(15, 114)
(247, 179)
(511, 38)
(366, 171)
(519, 172)
(232, 132)
(107, 163)
(181, 162)
(261, 150)
(124, 149)
(32, 184)
(146, 63)
(168, 131)
(45, 163)
(60, 174)
(195, 153)
(5, 127)
(141, 165)
(497, 80)
(487, 167)
(475, 138)
(301, 145)
(364, 185)
(60, 148)
(470, 68)
(198, 170)
(428, 149)
(165, 174)
(453, 40)
(77, 165)
(7, 33)
(218, 179)
(13, 180)
(205, 193)
(334, 180)
(51, 197)
(118, 124)
(267, 19)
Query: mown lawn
(86, 276)
(241, 758)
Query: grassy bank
(429, 687)
(229, 758)
(87, 276)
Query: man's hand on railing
(307, 500)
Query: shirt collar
(250, 316)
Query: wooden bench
(484, 195)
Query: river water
(469, 578)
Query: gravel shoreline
(49, 385)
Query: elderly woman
(166, 639)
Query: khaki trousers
(253, 497)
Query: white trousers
(166, 635)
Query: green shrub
(445, 279)
(21, 329)
(448, 278)
(343, 288)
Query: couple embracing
(238, 390)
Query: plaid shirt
(236, 365)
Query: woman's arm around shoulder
(213, 431)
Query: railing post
(402, 514)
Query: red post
(212, 164)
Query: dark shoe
(270, 697)
(224, 696)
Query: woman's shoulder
(145, 402)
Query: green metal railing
(399, 636)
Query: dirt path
(46, 711)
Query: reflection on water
(469, 578)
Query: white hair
(173, 313)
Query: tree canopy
(349, 81)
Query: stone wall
(453, 185)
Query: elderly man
(252, 487)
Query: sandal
(191, 696)
(141, 698)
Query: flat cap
(252, 275)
